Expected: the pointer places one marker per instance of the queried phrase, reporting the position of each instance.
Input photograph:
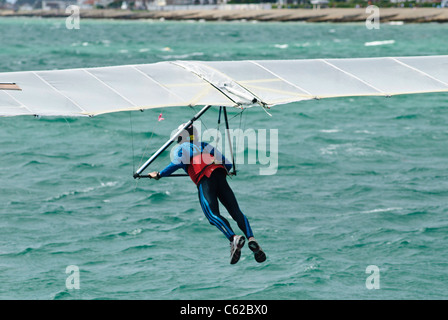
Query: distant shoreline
(405, 15)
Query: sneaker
(235, 248)
(259, 255)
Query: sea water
(357, 208)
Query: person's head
(187, 135)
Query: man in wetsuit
(208, 169)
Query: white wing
(78, 92)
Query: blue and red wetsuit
(208, 168)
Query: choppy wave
(360, 181)
(81, 191)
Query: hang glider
(242, 84)
(94, 91)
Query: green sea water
(361, 181)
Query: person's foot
(235, 248)
(259, 255)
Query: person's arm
(174, 165)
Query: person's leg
(208, 199)
(209, 202)
(228, 199)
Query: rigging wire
(194, 112)
(241, 136)
(132, 142)
(133, 148)
(217, 129)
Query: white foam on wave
(84, 190)
(349, 149)
(329, 131)
(135, 232)
(302, 45)
(330, 149)
(364, 131)
(379, 43)
(396, 23)
(382, 210)
(281, 46)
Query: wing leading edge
(93, 91)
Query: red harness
(202, 165)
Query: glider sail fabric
(93, 91)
